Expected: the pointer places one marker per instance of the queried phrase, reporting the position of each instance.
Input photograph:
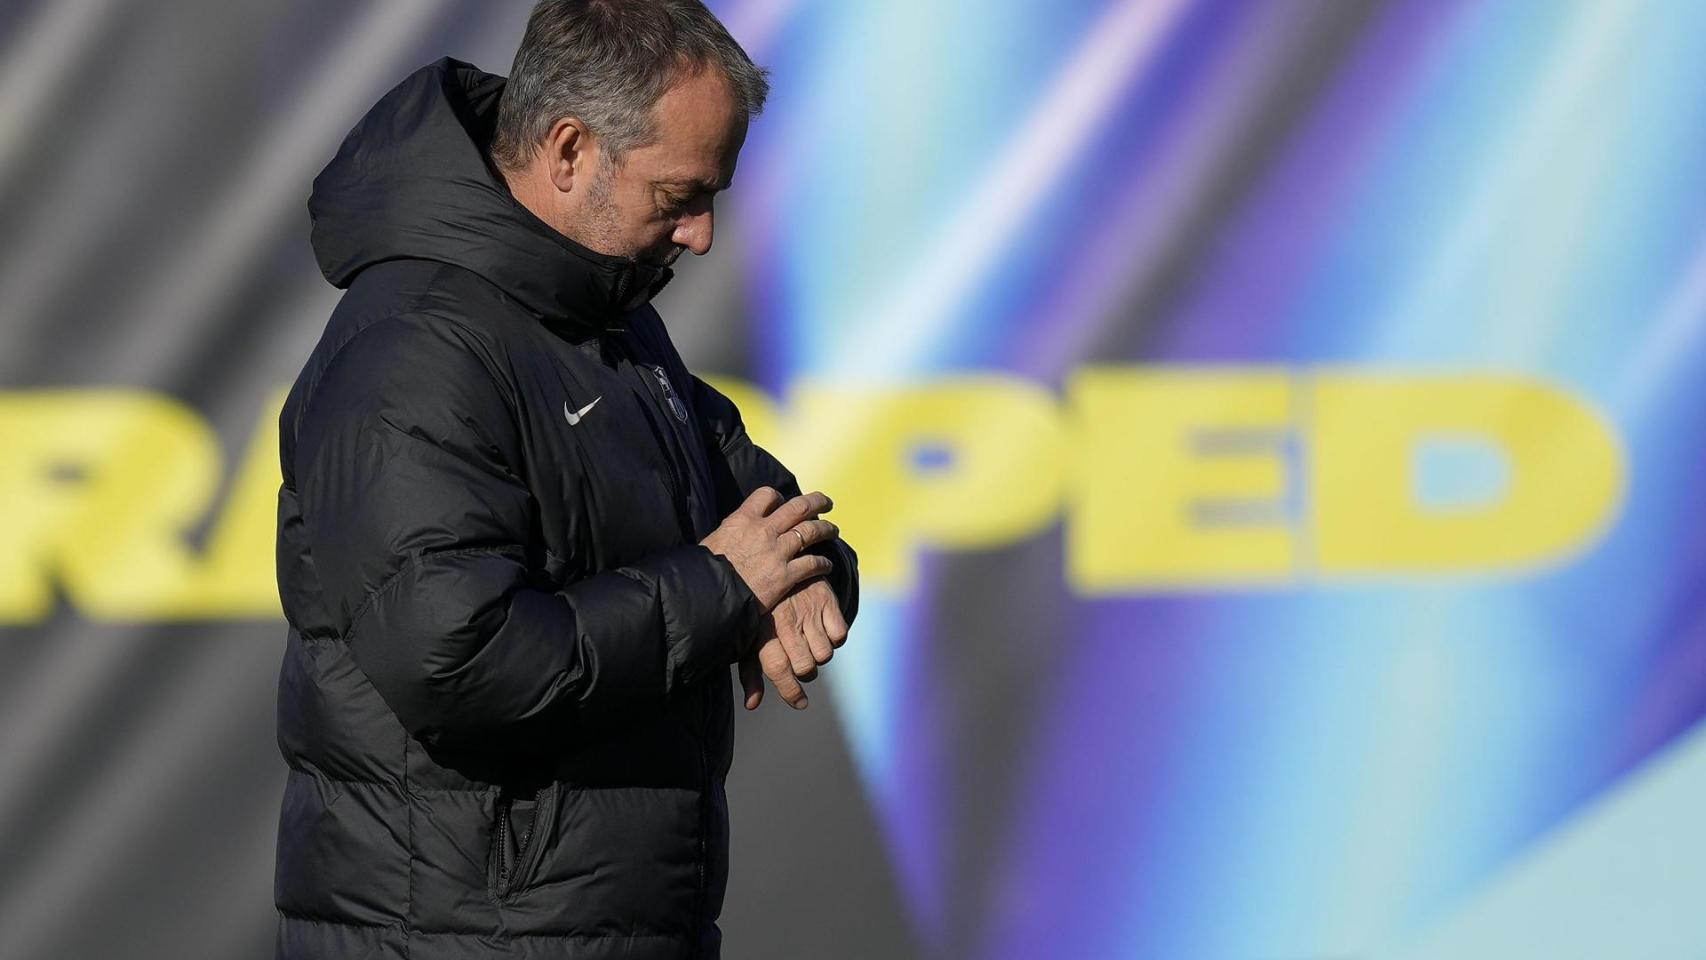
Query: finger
(834, 624)
(790, 628)
(760, 502)
(774, 660)
(801, 660)
(806, 566)
(811, 531)
(803, 506)
(751, 680)
(816, 637)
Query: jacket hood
(412, 180)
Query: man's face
(657, 203)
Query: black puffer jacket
(505, 701)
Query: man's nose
(694, 232)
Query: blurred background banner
(1271, 432)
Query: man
(519, 544)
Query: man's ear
(569, 151)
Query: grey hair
(606, 62)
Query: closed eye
(673, 203)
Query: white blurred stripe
(1625, 878)
(240, 223)
(35, 720)
(164, 751)
(910, 325)
(38, 62)
(1532, 147)
(244, 218)
(1674, 339)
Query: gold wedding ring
(802, 537)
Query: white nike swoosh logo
(575, 418)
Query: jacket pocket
(524, 823)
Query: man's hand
(801, 633)
(765, 539)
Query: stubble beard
(601, 227)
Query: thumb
(751, 680)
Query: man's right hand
(765, 538)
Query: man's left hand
(801, 633)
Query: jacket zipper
(678, 484)
(505, 870)
(676, 407)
